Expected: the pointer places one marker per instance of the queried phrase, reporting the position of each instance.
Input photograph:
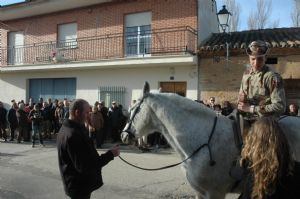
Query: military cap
(257, 48)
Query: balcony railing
(157, 42)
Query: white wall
(15, 85)
(207, 19)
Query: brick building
(101, 49)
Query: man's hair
(77, 104)
(267, 149)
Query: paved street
(32, 173)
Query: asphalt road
(32, 173)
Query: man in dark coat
(22, 123)
(3, 122)
(13, 120)
(104, 110)
(79, 163)
(115, 117)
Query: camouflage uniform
(264, 92)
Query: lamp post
(223, 19)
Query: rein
(211, 162)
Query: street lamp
(223, 19)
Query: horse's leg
(210, 195)
(216, 195)
(200, 195)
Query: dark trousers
(12, 132)
(115, 133)
(3, 131)
(79, 196)
(57, 125)
(99, 137)
(36, 129)
(23, 133)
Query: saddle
(236, 171)
(238, 128)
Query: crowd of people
(225, 109)
(25, 122)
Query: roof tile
(276, 38)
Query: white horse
(187, 125)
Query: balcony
(155, 42)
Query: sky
(281, 10)
(5, 2)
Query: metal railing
(157, 42)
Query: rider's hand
(243, 97)
(115, 150)
(244, 107)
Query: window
(67, 35)
(138, 34)
(272, 60)
(138, 40)
(15, 48)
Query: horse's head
(140, 119)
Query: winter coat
(12, 118)
(3, 120)
(79, 162)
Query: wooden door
(173, 87)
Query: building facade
(101, 50)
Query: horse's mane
(182, 102)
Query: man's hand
(244, 107)
(115, 150)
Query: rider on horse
(265, 155)
(261, 92)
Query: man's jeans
(36, 129)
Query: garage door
(54, 88)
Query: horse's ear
(146, 88)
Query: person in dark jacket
(3, 122)
(22, 123)
(79, 163)
(115, 117)
(271, 173)
(13, 120)
(227, 108)
(36, 117)
(104, 110)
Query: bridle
(129, 123)
(131, 135)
